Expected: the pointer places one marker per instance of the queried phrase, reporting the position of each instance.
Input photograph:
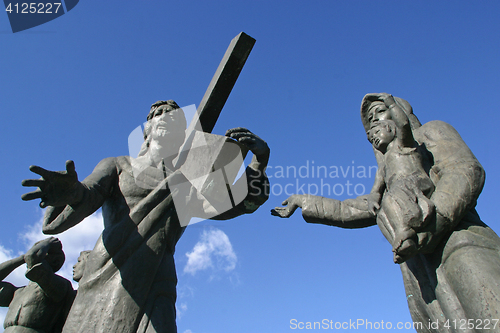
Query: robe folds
(456, 287)
(129, 281)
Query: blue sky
(75, 88)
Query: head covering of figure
(370, 99)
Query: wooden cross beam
(211, 152)
(218, 91)
(222, 83)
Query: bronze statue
(451, 260)
(42, 305)
(401, 179)
(129, 280)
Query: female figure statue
(452, 279)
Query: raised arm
(255, 144)
(7, 289)
(256, 180)
(405, 134)
(9, 266)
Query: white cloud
(3, 312)
(213, 247)
(180, 309)
(188, 331)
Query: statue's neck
(159, 152)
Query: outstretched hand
(55, 188)
(291, 204)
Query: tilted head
(382, 134)
(166, 124)
(373, 110)
(79, 267)
(161, 108)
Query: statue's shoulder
(112, 165)
(122, 160)
(122, 163)
(436, 130)
(445, 144)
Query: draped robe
(129, 280)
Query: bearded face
(167, 128)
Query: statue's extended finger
(33, 182)
(32, 195)
(40, 171)
(246, 139)
(239, 135)
(276, 212)
(284, 203)
(235, 130)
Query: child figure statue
(402, 187)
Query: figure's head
(79, 267)
(166, 121)
(382, 134)
(170, 116)
(377, 112)
(55, 255)
(374, 110)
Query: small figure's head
(79, 267)
(382, 134)
(55, 256)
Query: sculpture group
(423, 200)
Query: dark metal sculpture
(42, 305)
(129, 280)
(451, 259)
